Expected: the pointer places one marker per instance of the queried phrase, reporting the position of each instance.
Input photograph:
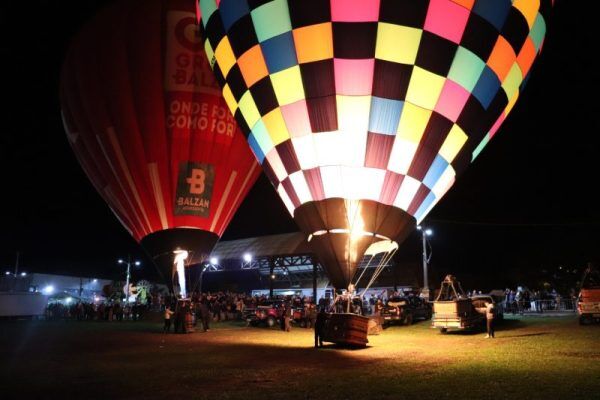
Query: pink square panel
(354, 10)
(296, 118)
(446, 19)
(452, 100)
(353, 77)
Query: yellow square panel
(276, 127)
(248, 109)
(252, 65)
(224, 55)
(229, 99)
(424, 88)
(210, 54)
(397, 43)
(513, 80)
(288, 85)
(453, 143)
(413, 122)
(529, 9)
(511, 103)
(314, 42)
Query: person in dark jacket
(205, 314)
(319, 327)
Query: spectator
(490, 314)
(319, 327)
(168, 314)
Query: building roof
(262, 246)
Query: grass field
(531, 358)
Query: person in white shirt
(490, 314)
(168, 314)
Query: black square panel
(219, 76)
(322, 113)
(253, 4)
(496, 107)
(480, 36)
(242, 36)
(435, 53)
(264, 96)
(435, 134)
(236, 82)
(271, 175)
(241, 121)
(472, 117)
(515, 29)
(309, 12)
(287, 154)
(214, 30)
(463, 158)
(390, 80)
(354, 40)
(404, 12)
(318, 78)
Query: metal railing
(541, 306)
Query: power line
(516, 224)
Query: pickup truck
(588, 301)
(405, 310)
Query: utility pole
(128, 275)
(17, 265)
(424, 233)
(128, 262)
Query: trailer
(453, 310)
(22, 304)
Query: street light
(425, 232)
(128, 262)
(214, 260)
(247, 257)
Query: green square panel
(466, 68)
(271, 19)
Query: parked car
(405, 310)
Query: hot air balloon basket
(346, 330)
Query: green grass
(532, 358)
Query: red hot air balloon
(146, 120)
(363, 112)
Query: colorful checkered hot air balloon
(363, 112)
(149, 126)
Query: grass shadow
(526, 335)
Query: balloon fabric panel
(407, 92)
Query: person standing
(320, 327)
(205, 314)
(168, 314)
(287, 318)
(490, 315)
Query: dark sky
(527, 203)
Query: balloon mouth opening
(354, 233)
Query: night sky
(525, 205)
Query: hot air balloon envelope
(147, 122)
(369, 109)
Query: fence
(541, 306)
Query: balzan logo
(194, 189)
(196, 181)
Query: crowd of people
(522, 300)
(96, 311)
